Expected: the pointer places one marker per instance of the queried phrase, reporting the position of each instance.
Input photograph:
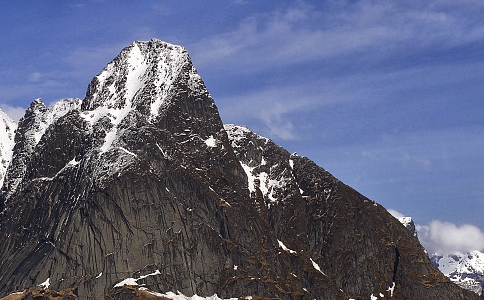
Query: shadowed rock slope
(138, 192)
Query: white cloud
(446, 237)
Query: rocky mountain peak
(141, 77)
(31, 128)
(142, 82)
(409, 224)
(139, 189)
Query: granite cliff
(138, 191)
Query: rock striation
(139, 192)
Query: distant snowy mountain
(466, 270)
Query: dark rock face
(141, 180)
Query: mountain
(138, 191)
(466, 270)
(7, 135)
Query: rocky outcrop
(409, 224)
(141, 185)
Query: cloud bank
(446, 237)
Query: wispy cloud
(25, 91)
(355, 51)
(83, 60)
(274, 107)
(304, 33)
(240, 1)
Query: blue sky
(386, 95)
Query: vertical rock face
(141, 184)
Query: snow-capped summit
(43, 116)
(141, 76)
(409, 224)
(141, 80)
(7, 135)
(30, 130)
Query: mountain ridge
(141, 185)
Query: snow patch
(391, 289)
(132, 281)
(169, 68)
(115, 115)
(127, 281)
(269, 179)
(281, 244)
(262, 181)
(18, 293)
(316, 266)
(45, 284)
(137, 68)
(109, 139)
(180, 296)
(211, 142)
